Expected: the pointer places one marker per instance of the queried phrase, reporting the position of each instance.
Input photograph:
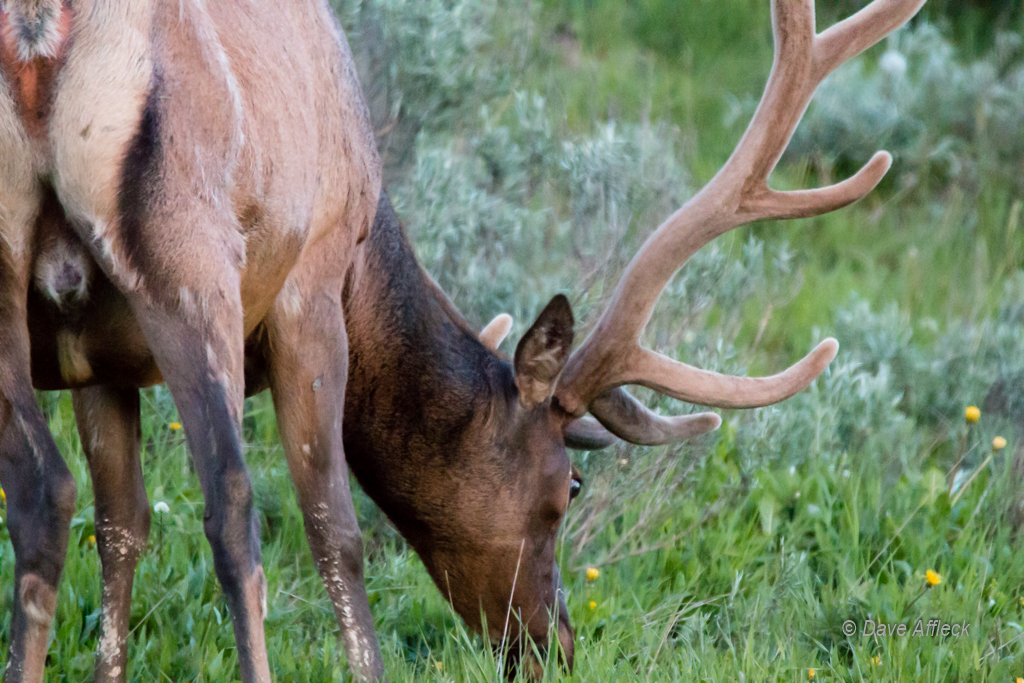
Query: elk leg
(308, 373)
(200, 357)
(108, 422)
(41, 496)
(41, 492)
(158, 215)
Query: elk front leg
(308, 373)
(108, 423)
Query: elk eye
(575, 484)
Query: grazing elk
(190, 193)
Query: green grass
(734, 558)
(755, 580)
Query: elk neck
(422, 389)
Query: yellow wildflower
(592, 573)
(3, 496)
(92, 540)
(876, 661)
(932, 578)
(972, 415)
(810, 674)
(175, 426)
(1020, 680)
(593, 605)
(998, 443)
(439, 665)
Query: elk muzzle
(529, 651)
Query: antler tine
(628, 419)
(851, 36)
(805, 203)
(611, 355)
(704, 387)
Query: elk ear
(543, 351)
(496, 330)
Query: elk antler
(611, 355)
(630, 420)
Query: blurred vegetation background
(530, 148)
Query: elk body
(190, 193)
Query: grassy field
(530, 148)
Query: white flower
(161, 507)
(894, 64)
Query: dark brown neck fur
(419, 378)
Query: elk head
(513, 494)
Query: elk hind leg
(199, 350)
(108, 422)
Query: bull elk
(190, 193)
